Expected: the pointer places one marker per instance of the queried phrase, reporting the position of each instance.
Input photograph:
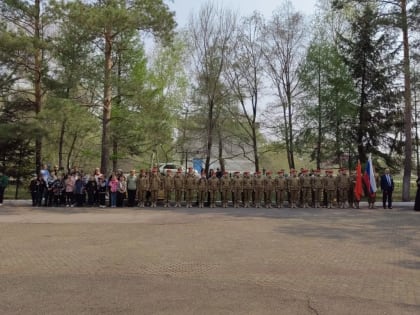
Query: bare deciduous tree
(209, 35)
(244, 76)
(285, 40)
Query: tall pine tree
(370, 54)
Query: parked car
(163, 168)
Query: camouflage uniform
(142, 188)
(155, 185)
(306, 188)
(280, 187)
(258, 184)
(352, 198)
(179, 187)
(202, 190)
(343, 185)
(236, 188)
(168, 187)
(317, 188)
(225, 188)
(268, 189)
(190, 185)
(330, 188)
(247, 189)
(214, 187)
(293, 186)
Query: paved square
(209, 261)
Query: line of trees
(84, 81)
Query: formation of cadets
(306, 189)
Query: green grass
(23, 192)
(396, 196)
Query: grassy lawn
(396, 196)
(22, 194)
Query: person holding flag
(370, 183)
(358, 186)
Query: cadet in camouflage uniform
(343, 186)
(142, 188)
(330, 188)
(353, 203)
(293, 186)
(225, 188)
(236, 188)
(268, 182)
(247, 189)
(202, 190)
(280, 187)
(214, 187)
(317, 188)
(155, 185)
(306, 188)
(179, 187)
(168, 187)
(190, 186)
(258, 184)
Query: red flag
(358, 189)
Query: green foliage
(16, 139)
(369, 54)
(148, 98)
(330, 104)
(80, 128)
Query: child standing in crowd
(113, 188)
(69, 188)
(122, 191)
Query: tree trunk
(255, 147)
(407, 110)
(114, 154)
(73, 143)
(37, 82)
(220, 155)
(290, 125)
(106, 117)
(61, 143)
(319, 141)
(209, 135)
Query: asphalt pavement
(209, 261)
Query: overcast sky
(183, 8)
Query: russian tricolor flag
(369, 178)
